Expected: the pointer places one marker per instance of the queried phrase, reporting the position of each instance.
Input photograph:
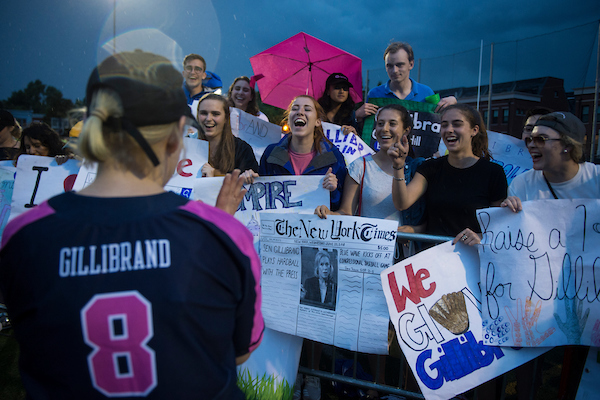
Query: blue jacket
(209, 85)
(276, 161)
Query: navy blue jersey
(145, 296)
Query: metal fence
(561, 366)
(344, 367)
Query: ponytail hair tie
(99, 114)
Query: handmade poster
(39, 178)
(256, 132)
(507, 151)
(193, 156)
(270, 372)
(434, 303)
(425, 134)
(540, 272)
(351, 145)
(288, 193)
(7, 183)
(588, 386)
(320, 278)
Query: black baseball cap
(564, 122)
(145, 103)
(6, 119)
(337, 79)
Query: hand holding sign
(348, 129)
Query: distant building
(26, 117)
(583, 107)
(511, 100)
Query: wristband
(398, 169)
(398, 179)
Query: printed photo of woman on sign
(319, 274)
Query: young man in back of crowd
(194, 71)
(399, 61)
(531, 117)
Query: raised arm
(404, 195)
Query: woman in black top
(456, 185)
(226, 152)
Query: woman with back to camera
(242, 95)
(456, 185)
(226, 152)
(134, 289)
(338, 104)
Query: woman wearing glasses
(338, 104)
(556, 148)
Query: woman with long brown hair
(305, 150)
(242, 95)
(456, 185)
(226, 152)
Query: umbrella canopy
(301, 65)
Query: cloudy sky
(59, 42)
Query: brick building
(511, 100)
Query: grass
(265, 388)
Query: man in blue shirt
(198, 81)
(399, 61)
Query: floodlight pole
(595, 117)
(489, 117)
(115, 27)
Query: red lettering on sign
(186, 162)
(415, 283)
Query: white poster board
(269, 194)
(39, 178)
(320, 278)
(7, 184)
(257, 132)
(507, 151)
(433, 300)
(540, 270)
(193, 156)
(351, 145)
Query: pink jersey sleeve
(242, 237)
(26, 218)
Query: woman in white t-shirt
(556, 148)
(392, 122)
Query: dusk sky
(59, 42)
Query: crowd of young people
(211, 277)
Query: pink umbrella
(301, 65)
